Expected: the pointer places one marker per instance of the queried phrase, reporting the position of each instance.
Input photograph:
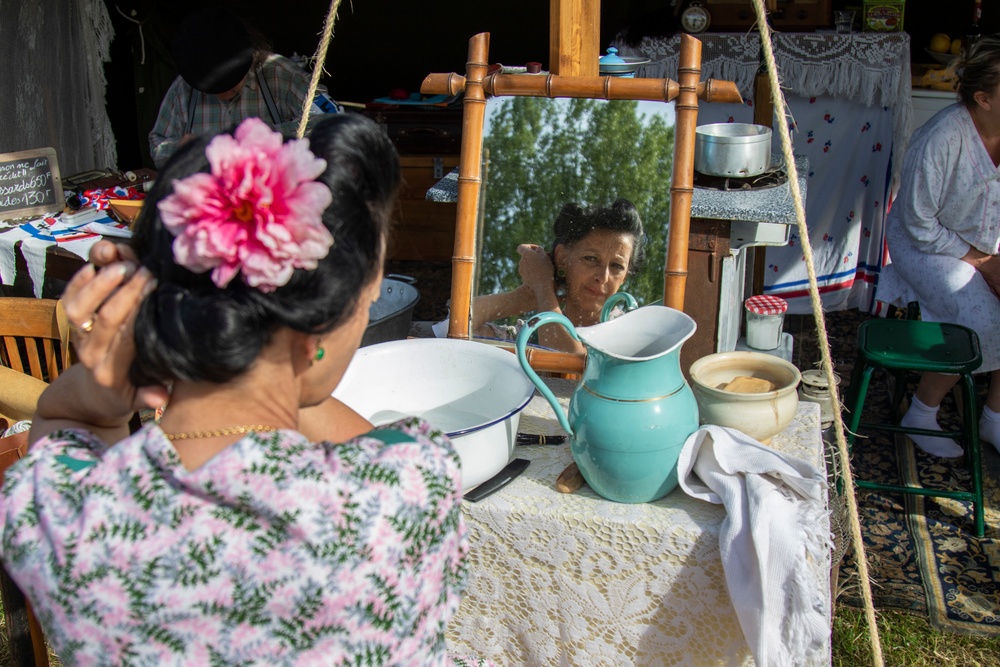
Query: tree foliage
(540, 154)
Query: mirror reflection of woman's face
(595, 267)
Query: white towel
(776, 519)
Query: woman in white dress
(943, 233)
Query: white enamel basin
(472, 392)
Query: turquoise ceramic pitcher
(633, 409)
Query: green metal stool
(899, 346)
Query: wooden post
(682, 183)
(763, 114)
(763, 105)
(469, 182)
(574, 37)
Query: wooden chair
(34, 337)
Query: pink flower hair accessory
(258, 213)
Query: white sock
(922, 416)
(989, 427)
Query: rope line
(319, 59)
(778, 100)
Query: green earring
(561, 273)
(320, 352)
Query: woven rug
(960, 572)
(923, 556)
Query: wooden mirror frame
(477, 84)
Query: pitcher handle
(609, 305)
(522, 342)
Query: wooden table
(60, 265)
(574, 579)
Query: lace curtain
(52, 83)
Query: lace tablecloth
(850, 112)
(573, 579)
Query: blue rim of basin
(480, 427)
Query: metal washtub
(389, 318)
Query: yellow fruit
(940, 43)
(956, 47)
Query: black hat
(212, 50)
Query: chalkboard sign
(29, 184)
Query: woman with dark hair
(943, 233)
(225, 534)
(594, 250)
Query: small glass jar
(765, 321)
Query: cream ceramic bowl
(759, 415)
(472, 392)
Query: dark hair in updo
(979, 69)
(574, 222)
(191, 329)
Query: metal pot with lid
(613, 64)
(733, 150)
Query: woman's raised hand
(536, 268)
(101, 305)
(100, 301)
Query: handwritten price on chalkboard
(29, 183)
(27, 190)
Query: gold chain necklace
(234, 430)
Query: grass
(907, 641)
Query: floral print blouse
(277, 551)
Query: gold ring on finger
(87, 326)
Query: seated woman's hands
(990, 268)
(987, 265)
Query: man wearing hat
(226, 76)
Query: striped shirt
(287, 82)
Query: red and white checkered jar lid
(763, 304)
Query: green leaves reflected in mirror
(540, 154)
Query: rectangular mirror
(540, 154)
(560, 144)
